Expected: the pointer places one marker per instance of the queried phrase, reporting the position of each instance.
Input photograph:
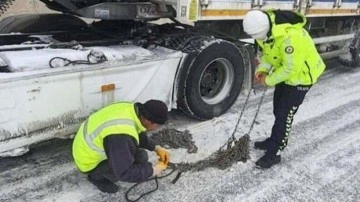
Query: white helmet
(256, 24)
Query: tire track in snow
(322, 165)
(304, 140)
(32, 176)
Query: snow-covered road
(321, 162)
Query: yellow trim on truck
(330, 11)
(242, 12)
(223, 12)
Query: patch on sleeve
(289, 49)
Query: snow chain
(232, 138)
(257, 110)
(240, 116)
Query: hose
(94, 57)
(172, 167)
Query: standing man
(107, 145)
(291, 63)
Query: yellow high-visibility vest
(118, 118)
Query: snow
(321, 162)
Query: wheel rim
(216, 81)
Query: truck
(58, 67)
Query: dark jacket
(121, 150)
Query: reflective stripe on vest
(89, 138)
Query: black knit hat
(155, 111)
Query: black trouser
(103, 169)
(287, 100)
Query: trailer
(56, 68)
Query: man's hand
(163, 154)
(262, 81)
(260, 78)
(160, 166)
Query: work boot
(104, 185)
(268, 160)
(262, 145)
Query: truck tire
(211, 80)
(36, 23)
(354, 59)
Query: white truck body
(40, 103)
(332, 23)
(204, 10)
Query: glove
(163, 154)
(160, 166)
